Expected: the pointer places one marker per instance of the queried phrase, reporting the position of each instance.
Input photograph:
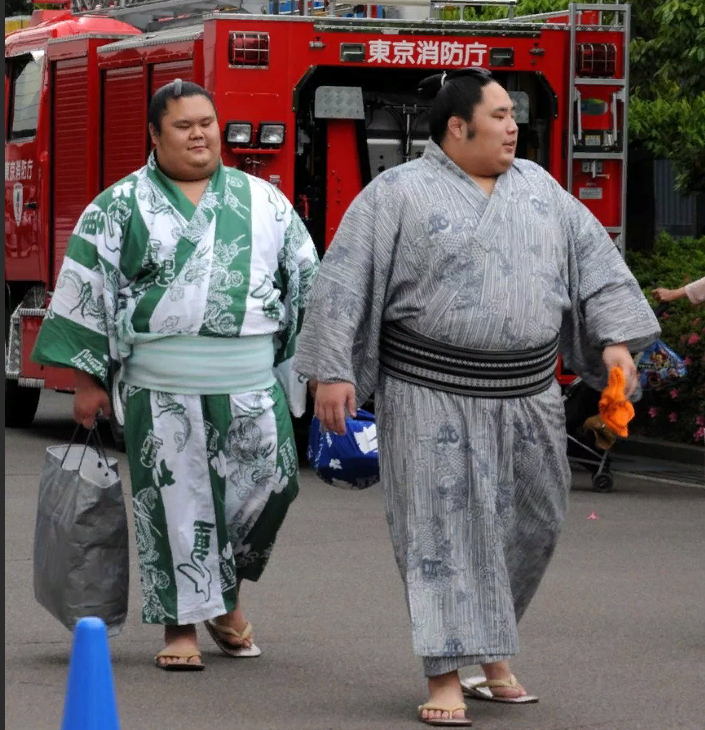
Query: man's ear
(455, 128)
(154, 134)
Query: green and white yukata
(200, 307)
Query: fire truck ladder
(150, 15)
(432, 5)
(618, 136)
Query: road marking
(660, 480)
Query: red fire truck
(316, 104)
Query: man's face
(486, 146)
(188, 146)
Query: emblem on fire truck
(422, 53)
(17, 196)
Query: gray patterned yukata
(476, 488)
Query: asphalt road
(614, 640)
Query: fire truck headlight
(271, 134)
(238, 133)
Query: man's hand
(618, 356)
(89, 400)
(331, 401)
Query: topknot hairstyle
(173, 90)
(455, 93)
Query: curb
(664, 450)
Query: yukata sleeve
(298, 265)
(695, 291)
(607, 304)
(75, 331)
(339, 340)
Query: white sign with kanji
(18, 170)
(426, 53)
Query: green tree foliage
(667, 103)
(18, 7)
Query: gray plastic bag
(81, 558)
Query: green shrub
(676, 413)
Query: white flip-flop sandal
(479, 688)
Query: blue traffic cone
(90, 695)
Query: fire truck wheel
(20, 404)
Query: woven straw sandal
(444, 722)
(217, 633)
(182, 666)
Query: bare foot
(444, 690)
(235, 620)
(501, 670)
(180, 639)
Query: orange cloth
(615, 410)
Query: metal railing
(432, 4)
(87, 6)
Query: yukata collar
(153, 165)
(174, 193)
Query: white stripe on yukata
(267, 239)
(108, 246)
(189, 499)
(66, 299)
(185, 299)
(243, 498)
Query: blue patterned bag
(660, 367)
(349, 461)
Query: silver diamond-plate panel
(339, 102)
(13, 350)
(521, 106)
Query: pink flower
(687, 361)
(665, 315)
(700, 420)
(674, 393)
(699, 435)
(672, 416)
(653, 412)
(693, 339)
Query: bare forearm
(85, 381)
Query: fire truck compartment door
(23, 260)
(339, 102)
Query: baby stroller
(580, 402)
(657, 367)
